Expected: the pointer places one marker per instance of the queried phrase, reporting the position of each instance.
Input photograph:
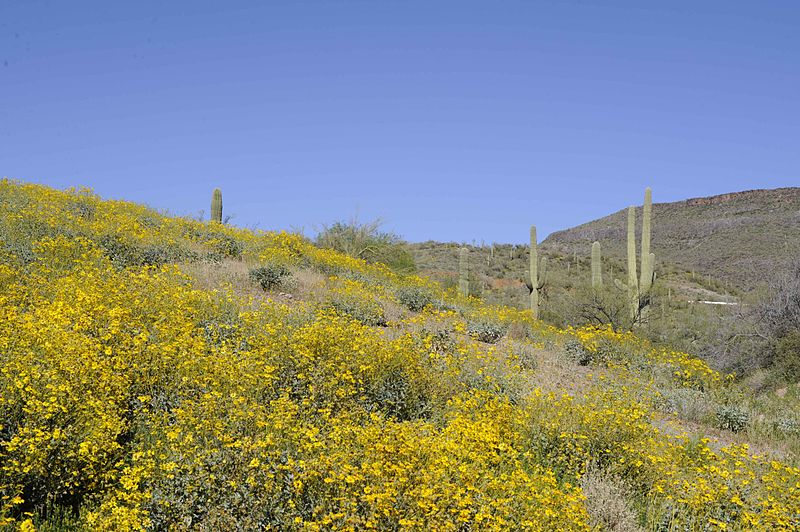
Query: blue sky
(453, 121)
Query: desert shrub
(124, 253)
(441, 341)
(362, 311)
(394, 392)
(157, 255)
(787, 356)
(732, 418)
(229, 247)
(119, 251)
(16, 252)
(575, 351)
(585, 306)
(223, 246)
(765, 334)
(414, 298)
(354, 299)
(269, 276)
(607, 351)
(788, 426)
(366, 241)
(82, 208)
(690, 404)
(485, 330)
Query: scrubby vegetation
(147, 381)
(366, 240)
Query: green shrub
(270, 276)
(367, 312)
(575, 350)
(119, 251)
(788, 426)
(732, 418)
(224, 246)
(485, 330)
(414, 298)
(124, 253)
(395, 394)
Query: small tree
(602, 307)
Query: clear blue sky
(451, 120)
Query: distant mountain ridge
(779, 194)
(741, 237)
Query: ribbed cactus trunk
(216, 206)
(639, 287)
(597, 268)
(647, 267)
(463, 272)
(538, 272)
(633, 282)
(534, 267)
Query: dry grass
(607, 502)
(218, 275)
(556, 373)
(309, 283)
(305, 284)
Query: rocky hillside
(738, 237)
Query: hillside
(498, 272)
(724, 243)
(716, 249)
(162, 373)
(737, 237)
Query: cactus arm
(542, 273)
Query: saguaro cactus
(638, 288)
(216, 206)
(463, 272)
(597, 268)
(538, 274)
(646, 280)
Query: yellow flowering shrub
(625, 348)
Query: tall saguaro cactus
(647, 267)
(463, 272)
(216, 206)
(638, 288)
(597, 268)
(538, 273)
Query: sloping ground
(148, 382)
(498, 273)
(740, 237)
